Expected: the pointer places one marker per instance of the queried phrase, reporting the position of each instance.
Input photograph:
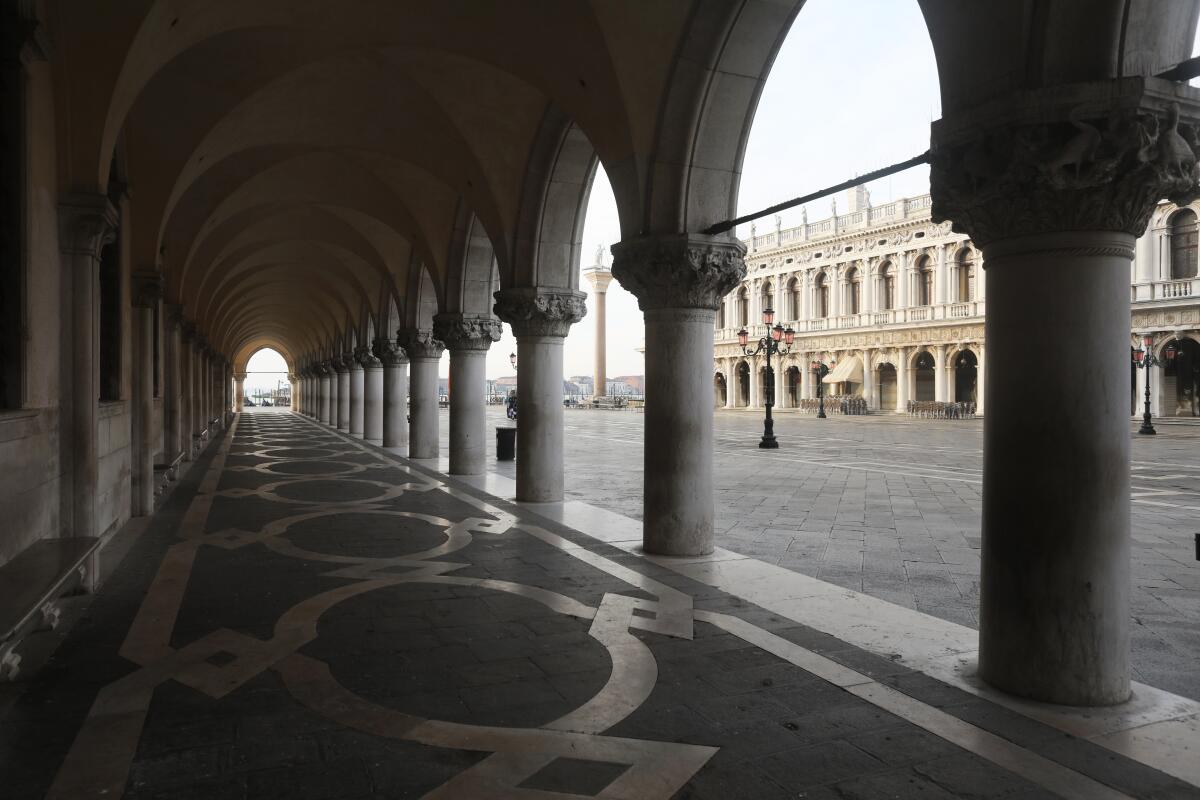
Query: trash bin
(506, 444)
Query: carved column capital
(1085, 157)
(86, 222)
(390, 353)
(540, 312)
(680, 270)
(172, 316)
(241, 376)
(364, 356)
(350, 360)
(420, 344)
(324, 368)
(147, 289)
(467, 331)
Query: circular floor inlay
(365, 535)
(344, 490)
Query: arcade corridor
(311, 616)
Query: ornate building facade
(894, 304)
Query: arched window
(793, 291)
(854, 290)
(925, 281)
(964, 275)
(887, 286)
(765, 301)
(1183, 244)
(743, 307)
(821, 296)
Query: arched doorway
(793, 386)
(743, 380)
(266, 384)
(1180, 378)
(720, 390)
(887, 387)
(923, 378)
(966, 377)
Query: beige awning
(848, 369)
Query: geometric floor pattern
(309, 616)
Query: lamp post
(1145, 359)
(821, 371)
(771, 345)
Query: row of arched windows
(791, 303)
(1183, 232)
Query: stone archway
(792, 385)
(743, 385)
(720, 390)
(923, 378)
(1180, 386)
(887, 386)
(966, 377)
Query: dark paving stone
(575, 776)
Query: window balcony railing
(883, 317)
(1184, 288)
(918, 314)
(946, 312)
(961, 310)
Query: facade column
(341, 366)
(868, 388)
(424, 353)
(806, 376)
(334, 388)
(980, 380)
(239, 391)
(541, 319)
(1055, 577)
(294, 392)
(780, 381)
(678, 280)
(173, 380)
(199, 421)
(146, 293)
(86, 224)
(468, 338)
(187, 375)
(939, 373)
(357, 392)
(902, 379)
(395, 392)
(328, 378)
(731, 388)
(599, 277)
(752, 400)
(372, 396)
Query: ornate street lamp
(778, 343)
(821, 370)
(1145, 359)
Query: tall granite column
(293, 392)
(173, 384)
(540, 319)
(599, 277)
(146, 294)
(187, 374)
(372, 396)
(327, 379)
(395, 393)
(468, 338)
(1055, 193)
(678, 281)
(424, 352)
(239, 391)
(342, 366)
(357, 381)
(86, 224)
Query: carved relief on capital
(146, 289)
(540, 312)
(390, 353)
(1100, 164)
(466, 332)
(364, 356)
(85, 224)
(420, 344)
(679, 271)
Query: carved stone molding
(324, 368)
(679, 271)
(390, 353)
(340, 363)
(146, 289)
(467, 332)
(420, 344)
(85, 224)
(1081, 158)
(367, 359)
(540, 312)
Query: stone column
(372, 397)
(145, 295)
(239, 391)
(902, 379)
(342, 367)
(599, 277)
(86, 224)
(357, 392)
(1055, 196)
(294, 392)
(731, 383)
(806, 376)
(199, 422)
(173, 384)
(187, 406)
(468, 338)
(424, 352)
(395, 393)
(678, 280)
(868, 388)
(540, 319)
(328, 376)
(939, 373)
(752, 400)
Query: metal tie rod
(721, 227)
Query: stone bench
(32, 587)
(166, 470)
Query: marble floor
(310, 616)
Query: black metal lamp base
(1147, 429)
(769, 444)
